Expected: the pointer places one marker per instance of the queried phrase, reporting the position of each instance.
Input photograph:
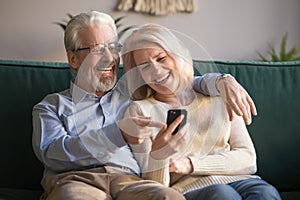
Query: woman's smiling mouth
(163, 78)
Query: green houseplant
(283, 55)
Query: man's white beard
(108, 84)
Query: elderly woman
(211, 157)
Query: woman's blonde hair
(141, 38)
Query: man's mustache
(103, 66)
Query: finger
(171, 161)
(230, 112)
(162, 131)
(247, 120)
(252, 105)
(141, 120)
(174, 124)
(156, 124)
(147, 121)
(247, 114)
(235, 108)
(172, 168)
(244, 108)
(129, 126)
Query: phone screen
(173, 114)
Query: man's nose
(107, 55)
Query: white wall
(227, 29)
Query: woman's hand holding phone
(166, 143)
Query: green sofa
(275, 88)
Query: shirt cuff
(206, 84)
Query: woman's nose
(156, 67)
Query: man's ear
(73, 60)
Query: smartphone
(173, 114)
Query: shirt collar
(77, 93)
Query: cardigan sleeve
(158, 170)
(237, 157)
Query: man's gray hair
(85, 20)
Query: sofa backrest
(275, 131)
(23, 84)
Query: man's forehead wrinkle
(97, 34)
(106, 34)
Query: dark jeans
(249, 189)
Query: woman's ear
(73, 60)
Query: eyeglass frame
(102, 48)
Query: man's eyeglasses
(114, 47)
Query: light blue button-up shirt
(74, 130)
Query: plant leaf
(284, 54)
(69, 15)
(121, 33)
(283, 47)
(297, 59)
(118, 21)
(291, 54)
(63, 26)
(273, 53)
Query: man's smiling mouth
(106, 69)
